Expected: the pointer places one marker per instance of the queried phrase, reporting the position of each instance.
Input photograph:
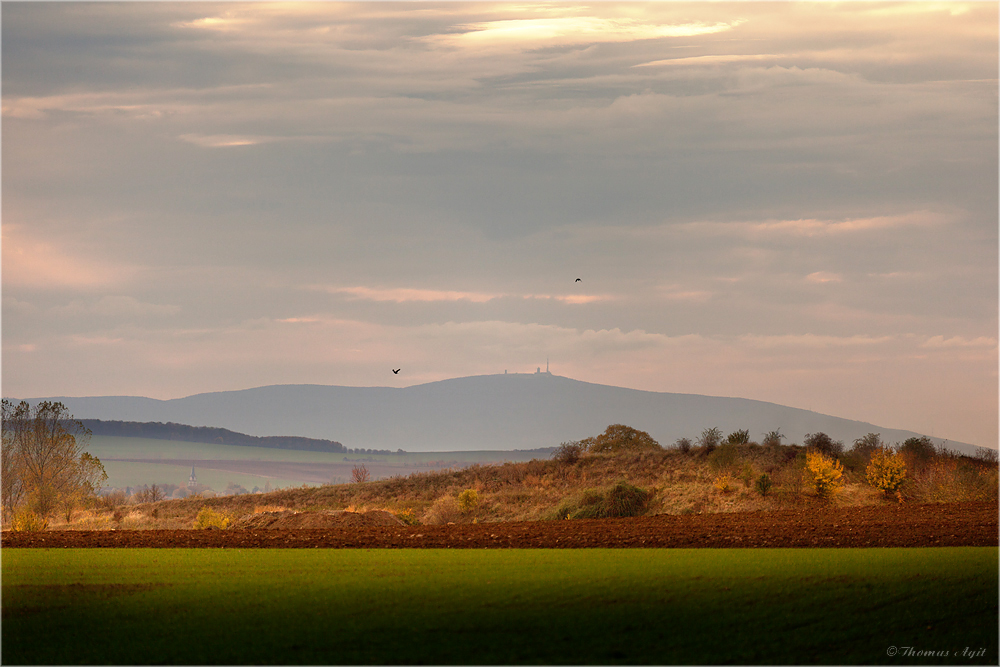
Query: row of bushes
(914, 468)
(943, 479)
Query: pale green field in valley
(146, 448)
(122, 474)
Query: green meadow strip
(600, 606)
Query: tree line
(220, 436)
(209, 434)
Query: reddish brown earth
(889, 525)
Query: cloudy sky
(789, 202)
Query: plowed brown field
(888, 525)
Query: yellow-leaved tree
(887, 471)
(827, 474)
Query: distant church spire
(192, 481)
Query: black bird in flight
(578, 280)
(395, 371)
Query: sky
(788, 202)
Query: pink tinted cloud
(34, 263)
(408, 294)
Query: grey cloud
(362, 145)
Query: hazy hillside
(213, 434)
(515, 411)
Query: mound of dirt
(289, 520)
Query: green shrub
(209, 518)
(589, 506)
(763, 485)
(561, 511)
(772, 438)
(746, 475)
(740, 437)
(626, 500)
(621, 500)
(26, 521)
(709, 440)
(619, 437)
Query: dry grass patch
(950, 480)
(269, 508)
(678, 483)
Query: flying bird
(395, 371)
(578, 280)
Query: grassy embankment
(675, 482)
(843, 606)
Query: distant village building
(192, 481)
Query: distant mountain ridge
(486, 412)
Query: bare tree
(360, 474)
(12, 488)
(868, 444)
(568, 453)
(150, 494)
(44, 464)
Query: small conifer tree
(763, 484)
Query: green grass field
(690, 606)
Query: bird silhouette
(395, 371)
(578, 280)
